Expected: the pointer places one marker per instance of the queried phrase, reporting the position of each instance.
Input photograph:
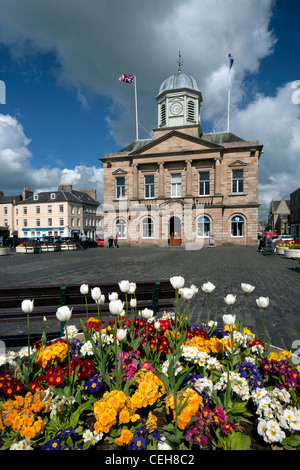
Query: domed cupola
(179, 100)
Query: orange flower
(124, 438)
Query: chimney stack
(27, 192)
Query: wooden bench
(157, 295)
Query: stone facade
(65, 213)
(295, 213)
(183, 187)
(279, 216)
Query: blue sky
(65, 106)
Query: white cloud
(17, 170)
(96, 41)
(275, 122)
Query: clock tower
(179, 101)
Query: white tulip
(229, 319)
(133, 303)
(186, 293)
(64, 313)
(177, 282)
(121, 334)
(113, 296)
(208, 287)
(84, 289)
(27, 306)
(157, 325)
(194, 288)
(147, 313)
(96, 293)
(132, 288)
(116, 307)
(230, 299)
(124, 286)
(262, 302)
(247, 288)
(101, 300)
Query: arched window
(203, 227)
(237, 226)
(147, 227)
(121, 228)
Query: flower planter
(293, 253)
(4, 251)
(280, 250)
(288, 253)
(24, 249)
(68, 247)
(46, 248)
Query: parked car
(285, 239)
(90, 243)
(12, 241)
(100, 242)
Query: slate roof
(62, 196)
(215, 138)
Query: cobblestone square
(226, 267)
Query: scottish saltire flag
(231, 60)
(126, 78)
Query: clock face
(176, 108)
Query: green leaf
(293, 441)
(239, 441)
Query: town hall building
(183, 187)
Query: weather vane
(179, 61)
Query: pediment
(176, 142)
(169, 202)
(237, 163)
(119, 171)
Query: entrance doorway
(175, 231)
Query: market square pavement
(226, 267)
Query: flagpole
(136, 111)
(228, 110)
(231, 60)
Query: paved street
(226, 267)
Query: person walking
(116, 241)
(83, 241)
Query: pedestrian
(111, 241)
(116, 241)
(1, 240)
(83, 241)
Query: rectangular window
(38, 222)
(5, 210)
(176, 185)
(149, 186)
(204, 183)
(61, 221)
(237, 181)
(5, 223)
(49, 209)
(25, 222)
(61, 208)
(24, 210)
(120, 187)
(49, 222)
(38, 209)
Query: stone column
(135, 185)
(217, 176)
(188, 178)
(161, 187)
